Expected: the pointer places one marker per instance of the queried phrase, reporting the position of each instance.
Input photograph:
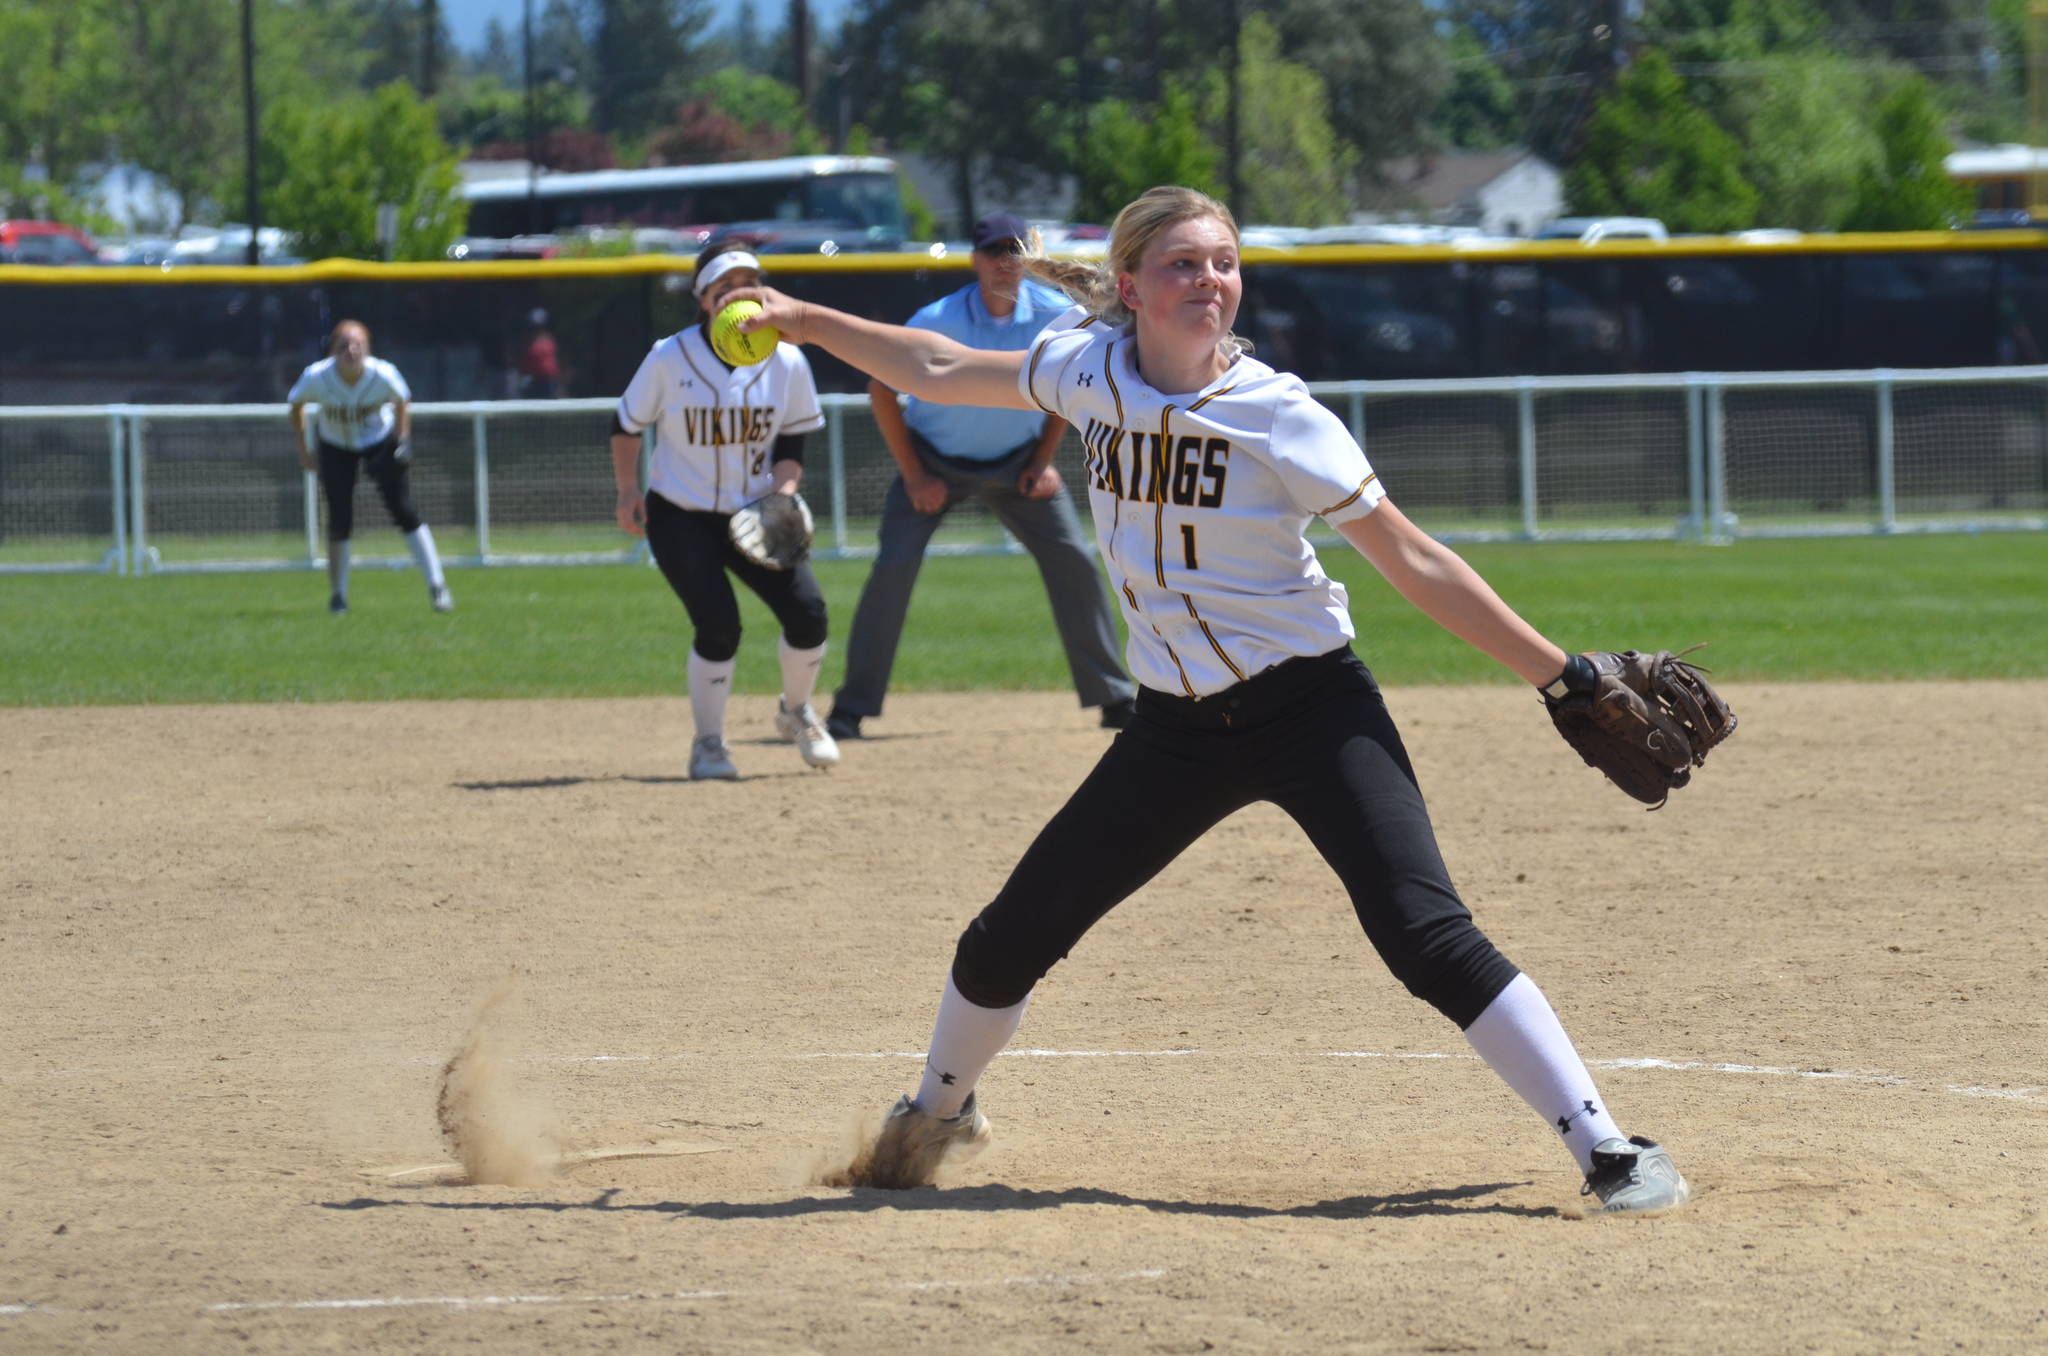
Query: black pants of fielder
(1312, 736)
(338, 468)
(694, 550)
(1048, 528)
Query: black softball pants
(338, 467)
(1312, 736)
(694, 550)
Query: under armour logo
(1564, 1123)
(947, 1079)
(1085, 379)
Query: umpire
(946, 454)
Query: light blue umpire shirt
(978, 432)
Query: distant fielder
(364, 424)
(1205, 468)
(726, 437)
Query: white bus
(855, 195)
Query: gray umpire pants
(1048, 528)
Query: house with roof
(1504, 192)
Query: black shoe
(843, 725)
(1116, 715)
(338, 605)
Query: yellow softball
(742, 349)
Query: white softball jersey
(1200, 503)
(356, 416)
(715, 427)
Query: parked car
(147, 252)
(1593, 230)
(2001, 219)
(46, 242)
(229, 245)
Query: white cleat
(803, 728)
(1635, 1175)
(711, 760)
(911, 1145)
(441, 599)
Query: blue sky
(467, 19)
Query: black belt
(1259, 698)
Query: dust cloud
(497, 1133)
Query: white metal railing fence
(1691, 456)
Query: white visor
(719, 267)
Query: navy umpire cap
(997, 227)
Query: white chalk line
(1049, 1281)
(2030, 1095)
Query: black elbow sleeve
(790, 447)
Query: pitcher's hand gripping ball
(774, 530)
(737, 348)
(1646, 721)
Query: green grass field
(1854, 608)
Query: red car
(45, 242)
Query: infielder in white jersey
(364, 424)
(1205, 467)
(723, 437)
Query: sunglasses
(1003, 247)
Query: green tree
(1908, 189)
(1763, 71)
(1293, 169)
(561, 50)
(760, 101)
(643, 54)
(1551, 56)
(393, 37)
(1650, 151)
(972, 82)
(1128, 149)
(1807, 143)
(180, 104)
(326, 170)
(54, 112)
(1477, 110)
(499, 56)
(1384, 68)
(484, 111)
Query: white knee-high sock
(1520, 1037)
(799, 672)
(420, 541)
(965, 1040)
(338, 553)
(710, 685)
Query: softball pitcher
(1205, 468)
(723, 437)
(364, 424)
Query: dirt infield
(241, 943)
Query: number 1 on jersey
(1187, 545)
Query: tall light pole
(252, 200)
(430, 61)
(800, 49)
(1232, 116)
(532, 131)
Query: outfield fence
(1703, 457)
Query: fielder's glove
(774, 530)
(1644, 720)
